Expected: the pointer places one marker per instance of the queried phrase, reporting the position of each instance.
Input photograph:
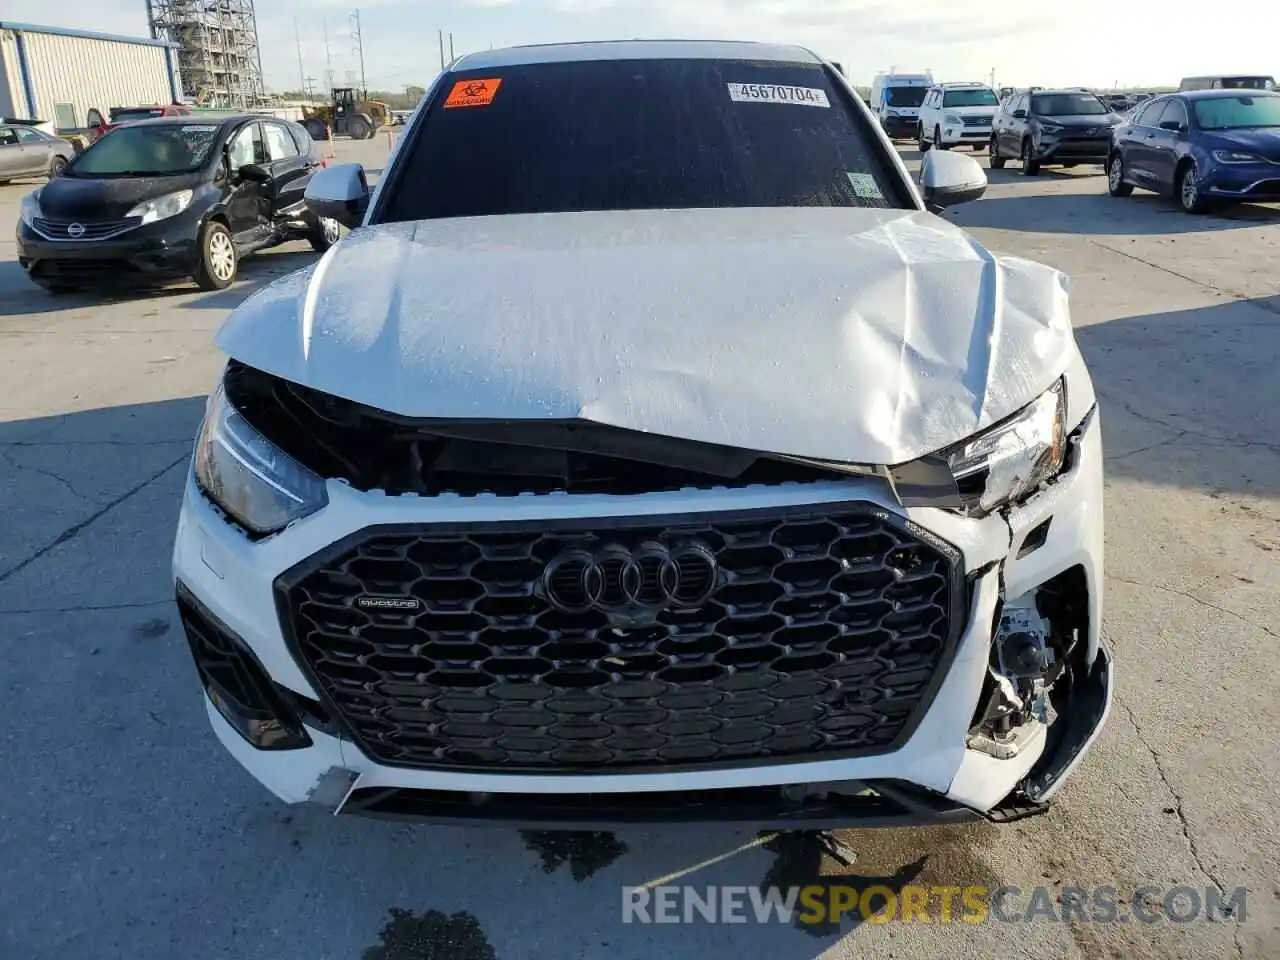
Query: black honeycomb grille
(826, 635)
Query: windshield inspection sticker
(473, 93)
(772, 93)
(864, 186)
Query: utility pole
(441, 51)
(328, 58)
(308, 85)
(297, 39)
(358, 37)
(451, 47)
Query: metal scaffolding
(218, 55)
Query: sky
(1095, 43)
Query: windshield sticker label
(865, 186)
(772, 93)
(473, 93)
(199, 128)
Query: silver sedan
(28, 152)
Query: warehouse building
(60, 76)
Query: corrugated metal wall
(12, 101)
(94, 73)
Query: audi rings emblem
(618, 579)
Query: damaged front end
(1042, 690)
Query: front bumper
(934, 776)
(1074, 149)
(144, 256)
(954, 135)
(901, 127)
(1255, 182)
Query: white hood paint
(868, 336)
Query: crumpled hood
(859, 335)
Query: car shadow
(19, 296)
(1143, 214)
(1188, 397)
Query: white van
(896, 99)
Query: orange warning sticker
(473, 93)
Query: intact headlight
(258, 485)
(30, 207)
(1010, 460)
(951, 118)
(161, 208)
(1235, 156)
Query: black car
(172, 197)
(1052, 127)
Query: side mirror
(253, 173)
(1019, 114)
(339, 193)
(1173, 125)
(948, 179)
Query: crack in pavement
(1180, 812)
(1184, 432)
(73, 531)
(140, 604)
(97, 443)
(1223, 291)
(1209, 604)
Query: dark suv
(1052, 126)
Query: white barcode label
(773, 93)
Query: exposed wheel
(1030, 165)
(360, 127)
(937, 139)
(1190, 195)
(921, 142)
(316, 128)
(327, 233)
(56, 167)
(218, 259)
(1115, 177)
(997, 161)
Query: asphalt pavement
(126, 831)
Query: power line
(358, 36)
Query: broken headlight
(258, 485)
(1008, 461)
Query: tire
(360, 127)
(56, 166)
(327, 233)
(978, 147)
(218, 259)
(1115, 177)
(937, 139)
(1187, 188)
(997, 161)
(316, 128)
(921, 142)
(1030, 165)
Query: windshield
(1067, 105)
(1231, 113)
(905, 96)
(1248, 83)
(158, 150)
(639, 134)
(970, 98)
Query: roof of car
(1231, 92)
(635, 50)
(214, 118)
